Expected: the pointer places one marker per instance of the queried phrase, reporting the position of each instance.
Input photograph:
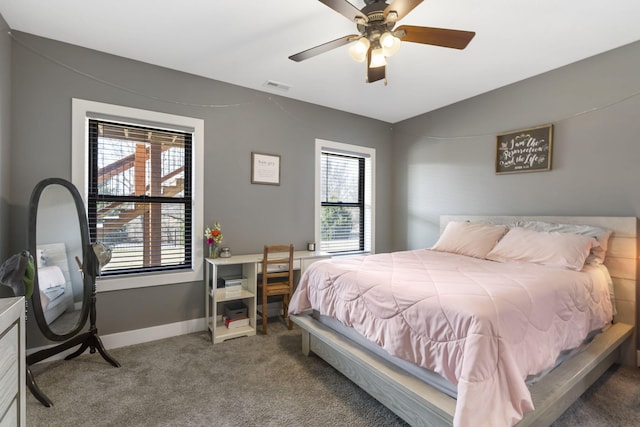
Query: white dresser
(12, 362)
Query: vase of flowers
(214, 238)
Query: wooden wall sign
(526, 150)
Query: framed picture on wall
(526, 150)
(265, 169)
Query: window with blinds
(342, 197)
(139, 201)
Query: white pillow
(472, 239)
(549, 248)
(601, 234)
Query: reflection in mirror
(58, 246)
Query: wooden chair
(277, 279)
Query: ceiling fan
(378, 39)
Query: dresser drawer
(10, 418)
(9, 368)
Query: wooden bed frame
(421, 404)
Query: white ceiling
(248, 42)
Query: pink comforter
(482, 325)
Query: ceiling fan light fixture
(359, 49)
(377, 40)
(390, 44)
(377, 58)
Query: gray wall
(445, 160)
(5, 133)
(439, 163)
(46, 75)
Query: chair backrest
(277, 263)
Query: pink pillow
(601, 234)
(549, 248)
(473, 239)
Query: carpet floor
(251, 381)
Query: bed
(54, 280)
(496, 372)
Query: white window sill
(106, 284)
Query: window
(140, 173)
(344, 193)
(140, 196)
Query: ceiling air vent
(277, 85)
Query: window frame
(367, 153)
(82, 111)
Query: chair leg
(264, 312)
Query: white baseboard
(138, 336)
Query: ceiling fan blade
(401, 7)
(455, 39)
(346, 9)
(325, 47)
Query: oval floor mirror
(65, 272)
